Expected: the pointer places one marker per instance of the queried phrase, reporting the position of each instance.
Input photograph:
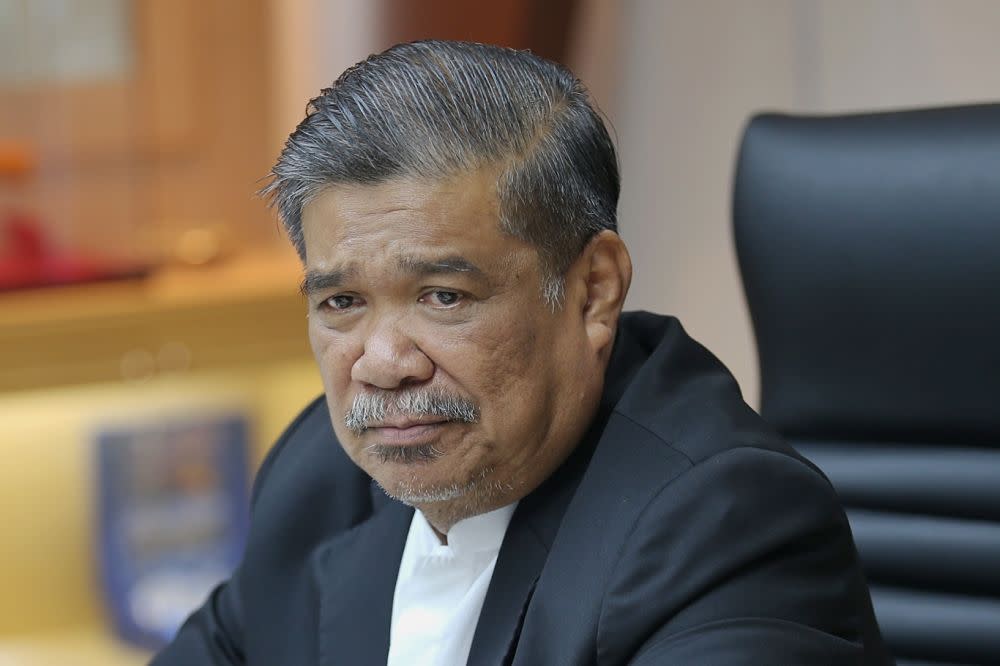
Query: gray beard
(405, 455)
(479, 490)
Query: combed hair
(433, 109)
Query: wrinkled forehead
(416, 207)
(410, 226)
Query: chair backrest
(869, 246)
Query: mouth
(407, 433)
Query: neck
(442, 516)
(442, 537)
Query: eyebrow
(317, 281)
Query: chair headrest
(870, 251)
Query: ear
(604, 272)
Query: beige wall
(692, 71)
(315, 41)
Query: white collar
(477, 534)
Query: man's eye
(341, 302)
(444, 298)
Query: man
(504, 468)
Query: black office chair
(870, 251)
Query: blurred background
(152, 340)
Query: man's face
(448, 378)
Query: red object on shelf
(29, 259)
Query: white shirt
(440, 589)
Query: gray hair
(432, 109)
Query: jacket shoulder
(749, 536)
(682, 395)
(306, 421)
(307, 488)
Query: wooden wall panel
(182, 142)
(542, 26)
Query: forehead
(410, 228)
(408, 209)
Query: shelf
(244, 309)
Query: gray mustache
(370, 409)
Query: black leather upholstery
(870, 251)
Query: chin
(414, 484)
(421, 494)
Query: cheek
(334, 359)
(334, 363)
(508, 369)
(535, 374)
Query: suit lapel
(532, 530)
(521, 558)
(356, 579)
(535, 524)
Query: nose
(391, 358)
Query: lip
(412, 433)
(409, 422)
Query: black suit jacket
(680, 531)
